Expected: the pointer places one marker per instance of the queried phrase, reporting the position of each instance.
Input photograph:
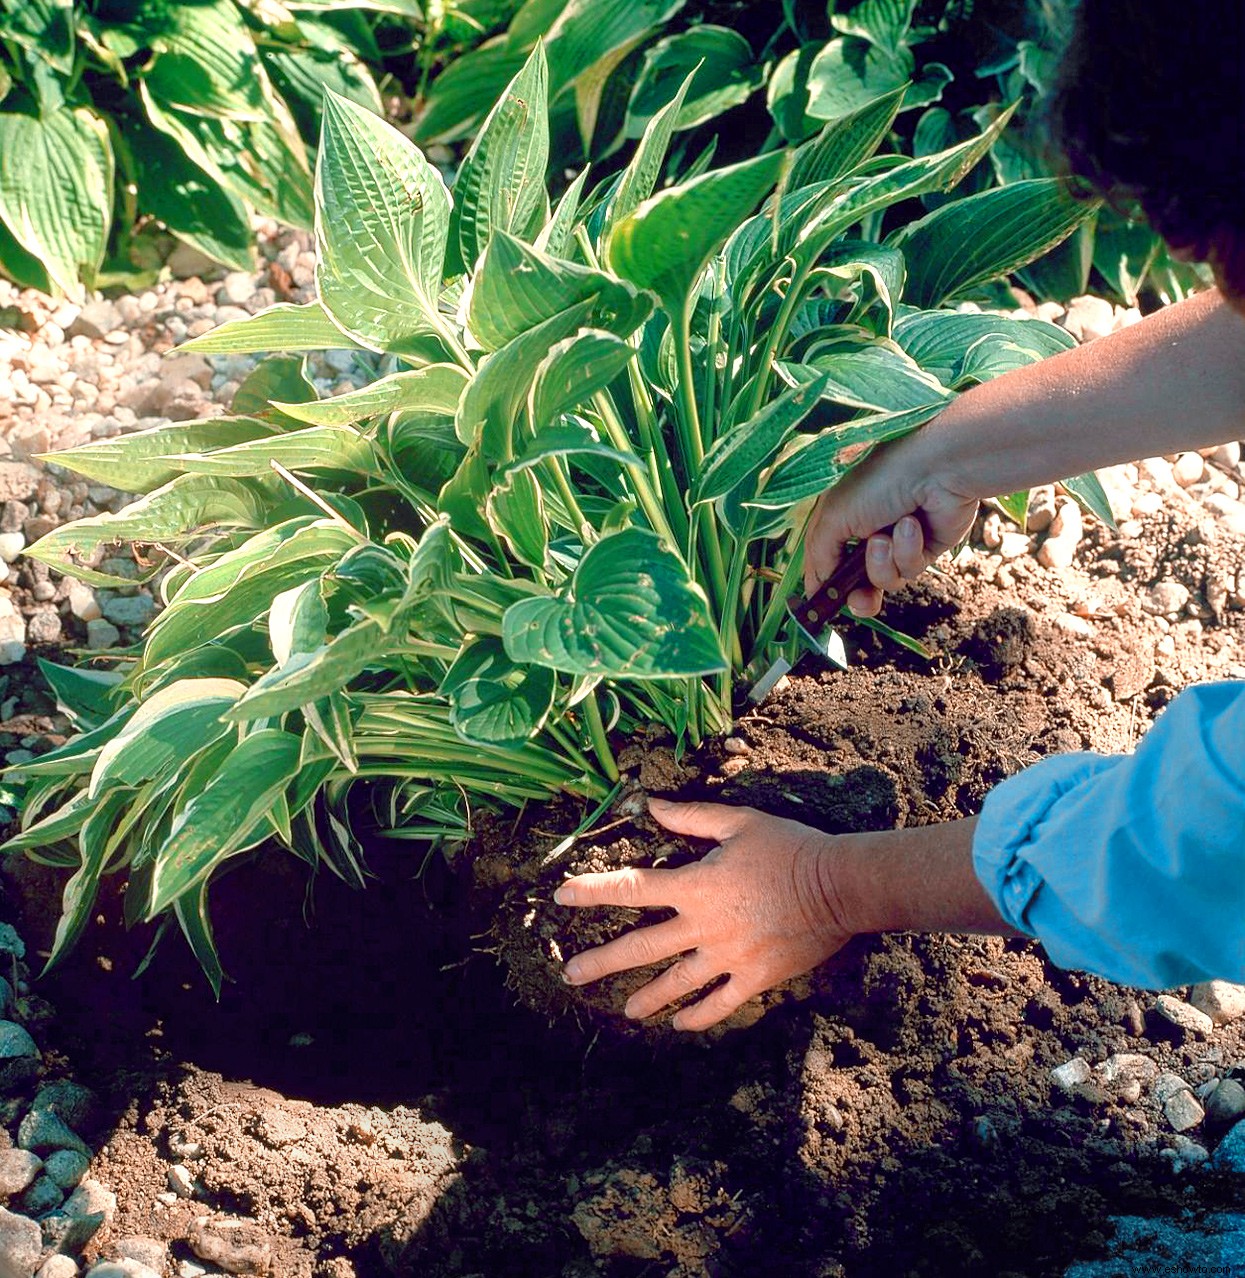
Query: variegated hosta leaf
(492, 699)
(284, 327)
(382, 220)
(939, 341)
(501, 184)
(630, 611)
(435, 389)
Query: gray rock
(1183, 1110)
(69, 1232)
(236, 289)
(147, 1251)
(1166, 598)
(58, 1267)
(1185, 1153)
(1212, 1243)
(91, 1198)
(1183, 1016)
(18, 1169)
(73, 1102)
(21, 1244)
(1168, 1085)
(1071, 1073)
(122, 1269)
(1226, 1104)
(43, 1131)
(19, 1057)
(1122, 1065)
(101, 634)
(1230, 1156)
(44, 626)
(66, 1167)
(135, 611)
(94, 320)
(43, 1196)
(19, 481)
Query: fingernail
(877, 548)
(906, 528)
(565, 895)
(659, 805)
(629, 1011)
(677, 1022)
(571, 973)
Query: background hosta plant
(195, 115)
(570, 500)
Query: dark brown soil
(370, 1100)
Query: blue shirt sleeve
(1131, 866)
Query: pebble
(43, 1196)
(19, 1057)
(1222, 1001)
(135, 611)
(1226, 1104)
(124, 1268)
(1184, 1153)
(1167, 1085)
(147, 1251)
(1166, 598)
(1226, 455)
(82, 602)
(1012, 545)
(101, 634)
(1122, 1065)
(75, 1103)
(58, 1267)
(11, 545)
(1071, 1074)
(1188, 469)
(1180, 1014)
(44, 625)
(1059, 549)
(18, 1169)
(67, 1168)
(21, 1243)
(237, 288)
(1183, 1110)
(1088, 318)
(92, 1199)
(181, 1181)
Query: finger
(678, 980)
(865, 602)
(636, 949)
(700, 820)
(880, 562)
(908, 538)
(716, 1006)
(631, 887)
(823, 547)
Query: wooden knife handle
(816, 612)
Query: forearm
(1173, 382)
(914, 880)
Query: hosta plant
(569, 502)
(114, 113)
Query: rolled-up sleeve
(1131, 866)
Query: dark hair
(1148, 108)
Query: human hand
(896, 500)
(760, 908)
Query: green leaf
(284, 327)
(846, 142)
(85, 695)
(518, 287)
(165, 731)
(62, 824)
(462, 94)
(875, 378)
(992, 357)
(981, 237)
(1089, 493)
(586, 32)
(44, 27)
(205, 62)
(78, 755)
(1015, 506)
(237, 588)
(260, 159)
(192, 916)
(56, 190)
(382, 221)
(139, 462)
(566, 439)
(187, 200)
(501, 183)
(297, 621)
(574, 370)
(940, 340)
(435, 389)
(630, 611)
(722, 70)
(187, 505)
(740, 453)
(225, 816)
(557, 232)
(495, 701)
(668, 241)
(275, 377)
(824, 459)
(331, 721)
(515, 510)
(848, 74)
(313, 448)
(883, 23)
(1123, 253)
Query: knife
(812, 617)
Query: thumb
(699, 820)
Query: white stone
(91, 1198)
(121, 1269)
(1222, 1001)
(1180, 1014)
(1089, 317)
(18, 1169)
(1226, 455)
(1167, 1084)
(1166, 598)
(11, 545)
(82, 602)
(1158, 470)
(1146, 504)
(1128, 1065)
(1183, 1110)
(1189, 469)
(1071, 1073)
(1042, 509)
(1013, 545)
(992, 531)
(181, 1182)
(58, 1266)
